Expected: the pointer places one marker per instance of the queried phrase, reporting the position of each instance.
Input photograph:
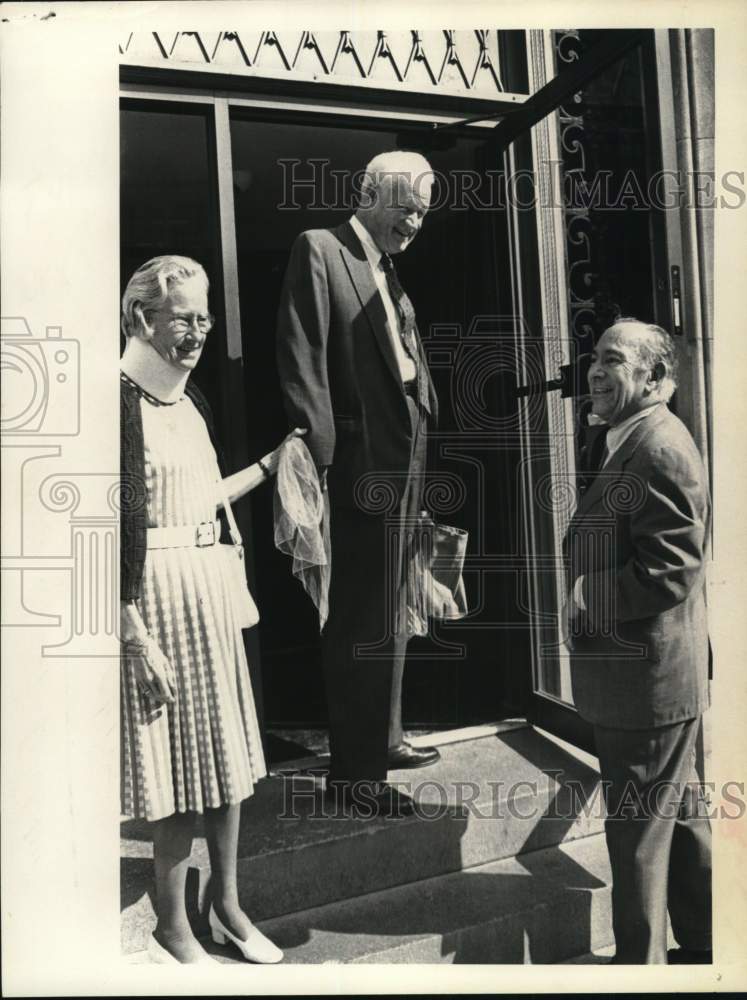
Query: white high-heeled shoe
(256, 948)
(158, 954)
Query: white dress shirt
(616, 437)
(405, 363)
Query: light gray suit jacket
(639, 537)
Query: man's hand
(568, 617)
(571, 613)
(297, 432)
(439, 601)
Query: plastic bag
(436, 562)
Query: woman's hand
(153, 672)
(240, 483)
(271, 461)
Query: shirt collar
(616, 435)
(369, 244)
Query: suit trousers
(659, 840)
(363, 646)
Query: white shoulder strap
(233, 527)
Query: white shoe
(158, 954)
(256, 948)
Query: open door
(589, 249)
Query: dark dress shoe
(405, 755)
(687, 956)
(366, 800)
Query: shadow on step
(575, 788)
(298, 866)
(466, 918)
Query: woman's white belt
(179, 536)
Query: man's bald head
(395, 196)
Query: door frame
(538, 261)
(538, 242)
(222, 102)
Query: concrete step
(487, 799)
(600, 956)
(543, 907)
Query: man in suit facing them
(636, 549)
(353, 371)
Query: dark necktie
(406, 316)
(596, 454)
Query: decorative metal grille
(591, 307)
(609, 160)
(447, 61)
(568, 49)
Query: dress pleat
(206, 749)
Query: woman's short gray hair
(149, 287)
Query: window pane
(168, 204)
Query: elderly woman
(190, 739)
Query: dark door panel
(456, 272)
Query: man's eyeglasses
(183, 324)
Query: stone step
(486, 800)
(600, 956)
(542, 907)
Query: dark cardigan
(133, 494)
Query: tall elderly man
(353, 372)
(636, 549)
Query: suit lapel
(356, 263)
(619, 460)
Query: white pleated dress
(204, 750)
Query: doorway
(293, 173)
(232, 159)
(203, 167)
